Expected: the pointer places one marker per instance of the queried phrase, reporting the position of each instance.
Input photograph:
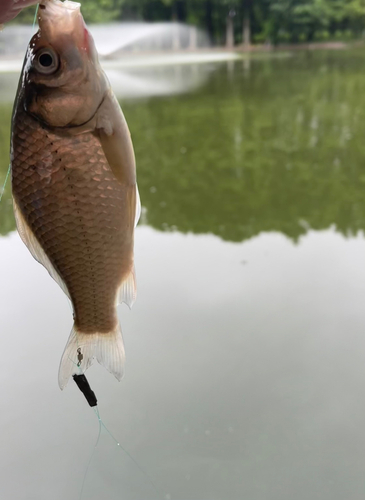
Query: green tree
(261, 20)
(355, 12)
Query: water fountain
(118, 39)
(132, 53)
(115, 40)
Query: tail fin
(82, 348)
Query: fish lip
(54, 13)
(67, 4)
(56, 18)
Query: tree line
(234, 22)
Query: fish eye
(46, 61)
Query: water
(245, 349)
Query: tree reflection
(278, 147)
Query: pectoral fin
(115, 139)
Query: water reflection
(244, 377)
(278, 146)
(274, 145)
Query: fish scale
(77, 211)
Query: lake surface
(245, 375)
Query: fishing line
(85, 388)
(101, 424)
(6, 180)
(9, 168)
(35, 15)
(127, 453)
(83, 385)
(91, 456)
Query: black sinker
(85, 388)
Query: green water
(278, 145)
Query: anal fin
(128, 290)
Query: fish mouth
(62, 23)
(56, 5)
(58, 13)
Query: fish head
(62, 80)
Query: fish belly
(80, 214)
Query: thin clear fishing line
(91, 457)
(4, 185)
(35, 15)
(101, 424)
(9, 168)
(96, 410)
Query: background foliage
(271, 21)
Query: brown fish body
(79, 213)
(75, 199)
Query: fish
(74, 186)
